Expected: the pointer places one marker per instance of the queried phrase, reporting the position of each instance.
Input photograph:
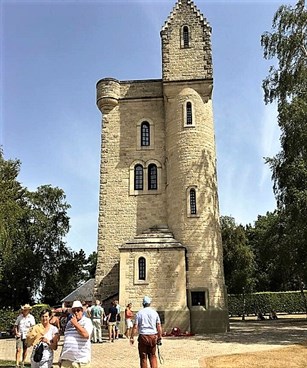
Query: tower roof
(179, 4)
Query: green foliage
(265, 239)
(7, 319)
(281, 302)
(238, 256)
(91, 264)
(35, 263)
(287, 85)
(288, 43)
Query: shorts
(129, 323)
(111, 323)
(21, 343)
(69, 364)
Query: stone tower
(158, 220)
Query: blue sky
(54, 52)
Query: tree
(287, 85)
(90, 266)
(35, 262)
(271, 263)
(238, 256)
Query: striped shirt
(77, 348)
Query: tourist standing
(117, 325)
(47, 334)
(128, 320)
(21, 327)
(97, 315)
(77, 344)
(111, 321)
(147, 323)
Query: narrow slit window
(189, 113)
(193, 201)
(145, 134)
(152, 177)
(142, 268)
(138, 177)
(185, 36)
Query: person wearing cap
(22, 326)
(147, 323)
(76, 350)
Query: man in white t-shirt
(147, 323)
(77, 339)
(21, 327)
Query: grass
(294, 356)
(11, 364)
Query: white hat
(26, 307)
(146, 300)
(76, 304)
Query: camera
(159, 342)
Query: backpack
(38, 354)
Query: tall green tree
(272, 272)
(35, 263)
(286, 84)
(238, 256)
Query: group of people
(81, 330)
(110, 320)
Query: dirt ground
(291, 357)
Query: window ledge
(141, 282)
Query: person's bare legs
(18, 354)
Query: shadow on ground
(261, 332)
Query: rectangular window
(189, 113)
(198, 298)
(193, 202)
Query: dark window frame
(145, 134)
(186, 36)
(189, 113)
(142, 268)
(138, 177)
(193, 206)
(152, 177)
(198, 298)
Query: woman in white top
(48, 335)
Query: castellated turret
(158, 228)
(108, 93)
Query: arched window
(142, 268)
(185, 36)
(189, 113)
(192, 201)
(152, 177)
(145, 134)
(138, 177)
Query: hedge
(265, 302)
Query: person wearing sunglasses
(77, 340)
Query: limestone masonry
(158, 231)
